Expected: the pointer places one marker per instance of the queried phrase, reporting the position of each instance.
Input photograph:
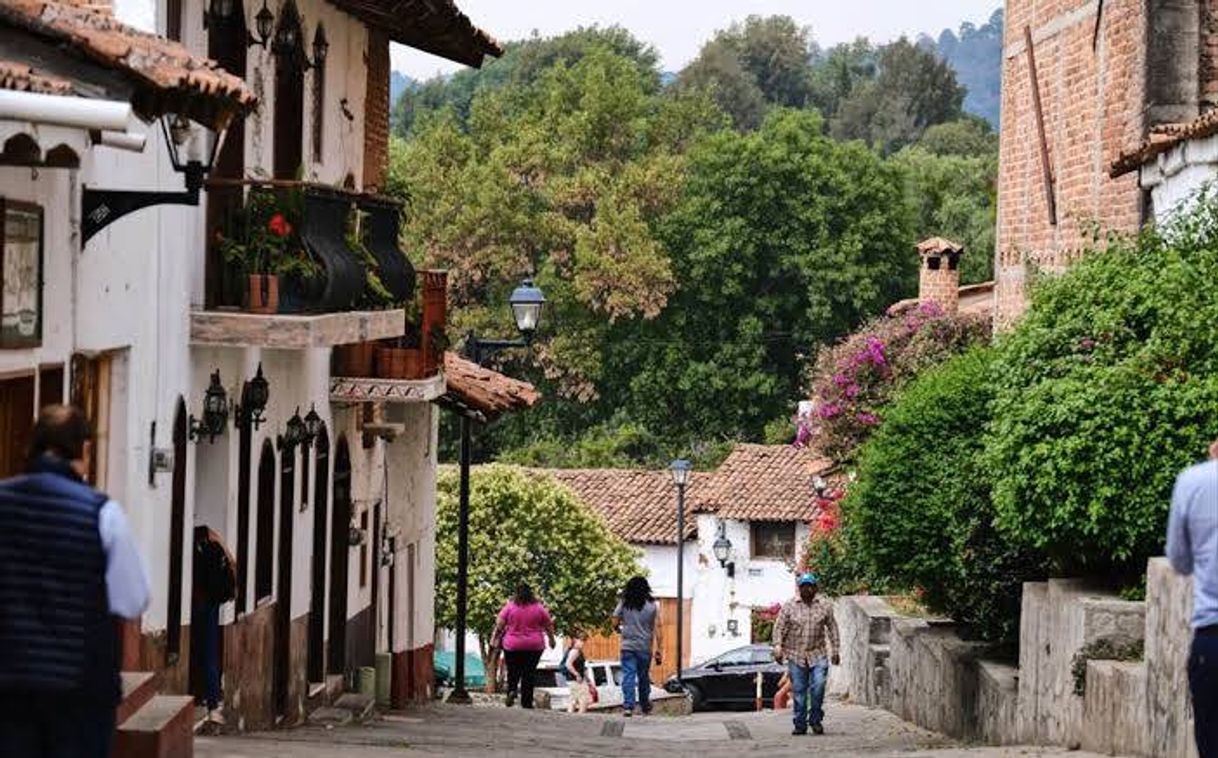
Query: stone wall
(937, 680)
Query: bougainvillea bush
(838, 568)
(1107, 388)
(919, 513)
(852, 381)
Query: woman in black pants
(522, 630)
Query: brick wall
(376, 112)
(1093, 102)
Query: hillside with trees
(698, 241)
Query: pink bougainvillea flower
(868, 419)
(829, 410)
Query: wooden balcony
(293, 332)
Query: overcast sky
(679, 27)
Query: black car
(731, 678)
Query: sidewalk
(477, 732)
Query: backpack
(215, 573)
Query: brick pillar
(435, 308)
(376, 112)
(939, 279)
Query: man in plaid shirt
(803, 627)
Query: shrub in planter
(919, 512)
(1107, 388)
(266, 245)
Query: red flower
(279, 226)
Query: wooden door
(283, 592)
(177, 523)
(317, 601)
(16, 423)
(289, 94)
(339, 554)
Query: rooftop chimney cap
(939, 246)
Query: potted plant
(268, 248)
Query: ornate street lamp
(526, 303)
(680, 470)
(215, 412)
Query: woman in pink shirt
(522, 630)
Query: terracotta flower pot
(263, 294)
(399, 363)
(355, 359)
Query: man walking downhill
(803, 627)
(68, 565)
(1192, 548)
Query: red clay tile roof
(1163, 138)
(164, 75)
(638, 506)
(433, 26)
(764, 483)
(482, 390)
(20, 77)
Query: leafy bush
(920, 512)
(1107, 389)
(854, 380)
(837, 566)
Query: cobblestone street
(480, 731)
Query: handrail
(220, 182)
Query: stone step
(162, 728)
(138, 688)
(360, 706)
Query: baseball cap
(806, 578)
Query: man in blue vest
(68, 566)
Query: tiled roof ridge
(1162, 138)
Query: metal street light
(680, 469)
(526, 303)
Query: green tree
(836, 73)
(969, 137)
(527, 527)
(913, 90)
(765, 61)
(1106, 389)
(919, 514)
(785, 240)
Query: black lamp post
(526, 302)
(215, 412)
(680, 476)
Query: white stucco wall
(1177, 174)
(719, 598)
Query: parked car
(731, 678)
(606, 678)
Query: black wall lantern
(294, 432)
(313, 425)
(264, 22)
(226, 13)
(215, 412)
(192, 151)
(723, 550)
(254, 396)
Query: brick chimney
(939, 280)
(435, 307)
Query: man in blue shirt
(68, 567)
(1192, 548)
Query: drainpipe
(61, 110)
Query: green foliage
(527, 527)
(1106, 390)
(265, 238)
(375, 292)
(920, 514)
(766, 61)
(969, 137)
(912, 91)
(953, 196)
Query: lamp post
(526, 302)
(680, 469)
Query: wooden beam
(1099, 20)
(1047, 170)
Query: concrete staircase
(150, 725)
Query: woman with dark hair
(522, 629)
(636, 619)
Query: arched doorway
(177, 525)
(288, 47)
(264, 555)
(321, 515)
(340, 528)
(283, 592)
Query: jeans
(205, 620)
(808, 689)
(49, 728)
(636, 672)
(522, 673)
(1203, 680)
